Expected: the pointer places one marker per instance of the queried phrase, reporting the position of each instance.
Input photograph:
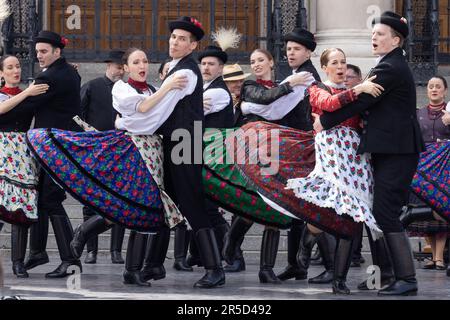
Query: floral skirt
(431, 182)
(341, 180)
(292, 154)
(103, 170)
(226, 186)
(18, 180)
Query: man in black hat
(392, 135)
(53, 109)
(97, 110)
(218, 110)
(184, 178)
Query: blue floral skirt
(104, 171)
(431, 182)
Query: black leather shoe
(36, 259)
(181, 265)
(134, 277)
(268, 276)
(291, 272)
(211, 279)
(323, 278)
(91, 258)
(400, 288)
(116, 257)
(19, 270)
(156, 251)
(340, 287)
(155, 273)
(237, 266)
(61, 270)
(88, 229)
(384, 283)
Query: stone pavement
(104, 281)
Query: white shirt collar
(334, 85)
(207, 84)
(172, 64)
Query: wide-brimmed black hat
(115, 56)
(395, 21)
(52, 38)
(189, 24)
(302, 36)
(213, 51)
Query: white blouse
(219, 99)
(281, 107)
(126, 100)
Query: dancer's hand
(369, 87)
(177, 82)
(301, 79)
(317, 125)
(207, 103)
(36, 89)
(446, 118)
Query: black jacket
(189, 109)
(300, 117)
(223, 118)
(96, 103)
(57, 107)
(390, 122)
(254, 92)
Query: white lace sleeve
(279, 108)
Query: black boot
(342, 261)
(405, 283)
(293, 242)
(182, 239)
(38, 242)
(327, 248)
(19, 237)
(239, 261)
(92, 243)
(210, 255)
(221, 232)
(85, 231)
(269, 249)
(194, 257)
(117, 235)
(64, 235)
(234, 238)
(381, 258)
(157, 246)
(307, 242)
(134, 259)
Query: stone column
(346, 24)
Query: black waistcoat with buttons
(224, 118)
(189, 109)
(18, 119)
(300, 117)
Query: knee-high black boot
(405, 283)
(19, 237)
(269, 250)
(38, 242)
(327, 247)
(135, 259)
(117, 235)
(342, 261)
(307, 242)
(234, 238)
(293, 242)
(210, 255)
(64, 235)
(157, 246)
(92, 243)
(86, 231)
(181, 244)
(381, 258)
(221, 231)
(194, 257)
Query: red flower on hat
(196, 23)
(64, 41)
(403, 19)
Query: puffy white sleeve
(125, 98)
(280, 107)
(3, 97)
(447, 108)
(219, 100)
(148, 122)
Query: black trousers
(393, 174)
(50, 197)
(184, 184)
(214, 215)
